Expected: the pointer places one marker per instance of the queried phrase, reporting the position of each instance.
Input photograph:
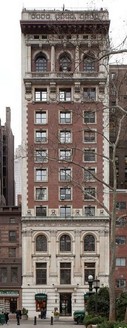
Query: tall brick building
(118, 106)
(6, 162)
(65, 228)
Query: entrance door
(65, 304)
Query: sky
(10, 54)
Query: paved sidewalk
(44, 323)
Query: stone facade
(65, 230)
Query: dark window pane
(89, 243)
(65, 243)
(41, 243)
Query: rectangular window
(89, 269)
(121, 205)
(14, 274)
(121, 222)
(89, 117)
(65, 136)
(120, 261)
(65, 273)
(65, 94)
(65, 154)
(65, 117)
(41, 273)
(89, 174)
(41, 211)
(120, 240)
(41, 175)
(41, 136)
(89, 136)
(65, 193)
(3, 275)
(12, 236)
(121, 283)
(12, 220)
(40, 95)
(12, 252)
(89, 155)
(65, 174)
(65, 211)
(40, 118)
(41, 156)
(89, 210)
(41, 194)
(89, 94)
(89, 193)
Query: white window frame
(65, 120)
(67, 158)
(43, 136)
(40, 120)
(43, 158)
(121, 261)
(43, 194)
(41, 175)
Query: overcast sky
(10, 54)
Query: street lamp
(94, 283)
(90, 282)
(96, 287)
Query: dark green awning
(41, 296)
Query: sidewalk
(45, 323)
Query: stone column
(77, 269)
(77, 59)
(28, 61)
(52, 58)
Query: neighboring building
(10, 259)
(6, 162)
(17, 174)
(65, 232)
(118, 101)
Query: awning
(41, 296)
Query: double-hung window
(89, 155)
(65, 174)
(41, 156)
(65, 136)
(41, 175)
(41, 136)
(65, 193)
(89, 193)
(89, 136)
(89, 94)
(65, 117)
(65, 95)
(65, 273)
(40, 118)
(40, 95)
(89, 117)
(41, 194)
(65, 154)
(41, 273)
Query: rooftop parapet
(80, 15)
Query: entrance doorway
(65, 304)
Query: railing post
(51, 320)
(35, 320)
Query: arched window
(89, 63)
(41, 243)
(65, 63)
(41, 64)
(89, 243)
(65, 243)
